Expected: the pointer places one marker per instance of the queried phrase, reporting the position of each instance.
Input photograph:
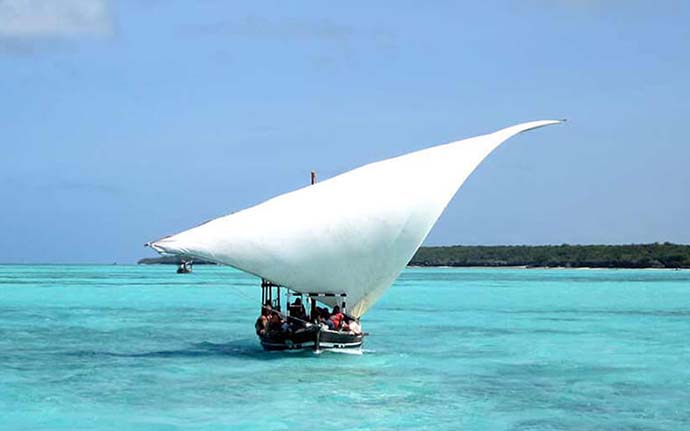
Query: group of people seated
(272, 320)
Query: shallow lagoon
(127, 347)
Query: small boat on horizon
(184, 267)
(338, 243)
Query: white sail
(350, 234)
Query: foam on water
(125, 347)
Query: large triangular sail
(352, 233)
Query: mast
(312, 311)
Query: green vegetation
(656, 255)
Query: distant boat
(341, 242)
(184, 267)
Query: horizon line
(667, 243)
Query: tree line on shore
(656, 255)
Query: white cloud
(54, 18)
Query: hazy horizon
(148, 254)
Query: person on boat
(275, 323)
(323, 317)
(262, 323)
(336, 318)
(297, 309)
(354, 327)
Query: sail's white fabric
(350, 234)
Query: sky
(121, 122)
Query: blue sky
(121, 122)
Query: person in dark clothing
(275, 323)
(297, 309)
(322, 316)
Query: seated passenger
(354, 327)
(322, 317)
(297, 309)
(336, 318)
(275, 323)
(262, 323)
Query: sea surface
(142, 348)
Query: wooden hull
(311, 339)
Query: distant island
(657, 255)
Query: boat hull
(316, 339)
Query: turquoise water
(126, 348)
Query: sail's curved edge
(352, 233)
(486, 144)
